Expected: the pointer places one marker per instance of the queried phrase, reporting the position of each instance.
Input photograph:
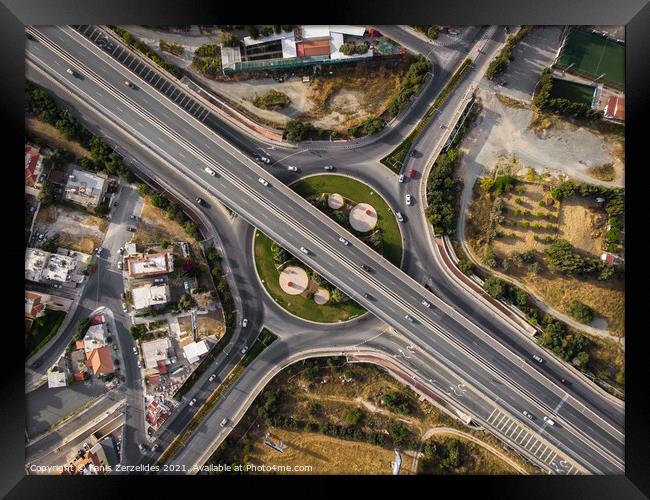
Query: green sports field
(572, 91)
(592, 55)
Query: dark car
(200, 201)
(368, 296)
(29, 37)
(130, 229)
(413, 153)
(37, 363)
(366, 268)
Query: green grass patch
(395, 159)
(359, 193)
(297, 304)
(573, 91)
(591, 55)
(42, 331)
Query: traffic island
(298, 289)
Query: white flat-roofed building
(56, 379)
(155, 351)
(85, 188)
(41, 265)
(142, 266)
(95, 337)
(149, 295)
(195, 350)
(250, 41)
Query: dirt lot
(340, 101)
(576, 222)
(326, 455)
(78, 231)
(326, 396)
(210, 324)
(54, 138)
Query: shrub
(581, 312)
(297, 131)
(495, 287)
(272, 100)
(397, 402)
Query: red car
(412, 173)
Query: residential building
(33, 165)
(85, 188)
(78, 363)
(148, 265)
(157, 413)
(41, 266)
(95, 338)
(100, 361)
(149, 296)
(194, 350)
(615, 108)
(156, 352)
(34, 305)
(610, 258)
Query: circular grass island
(271, 260)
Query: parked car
(412, 173)
(548, 420)
(132, 216)
(120, 266)
(99, 250)
(528, 415)
(142, 448)
(120, 250)
(130, 229)
(263, 182)
(329, 168)
(408, 199)
(212, 377)
(124, 308)
(155, 447)
(224, 422)
(159, 280)
(135, 351)
(244, 322)
(401, 178)
(122, 295)
(139, 365)
(244, 349)
(538, 358)
(344, 241)
(56, 285)
(37, 363)
(399, 216)
(210, 171)
(193, 402)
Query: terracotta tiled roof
(101, 361)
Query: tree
(354, 416)
(432, 32)
(228, 39)
(495, 287)
(297, 131)
(466, 266)
(520, 298)
(252, 31)
(397, 402)
(581, 312)
(49, 246)
(46, 194)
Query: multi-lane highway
(588, 426)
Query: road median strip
(395, 159)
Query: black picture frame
(634, 14)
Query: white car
(124, 308)
(292, 168)
(244, 322)
(266, 160)
(99, 250)
(120, 265)
(244, 349)
(224, 422)
(537, 358)
(193, 402)
(344, 241)
(135, 351)
(263, 182)
(304, 250)
(328, 167)
(210, 171)
(409, 319)
(548, 421)
(399, 216)
(139, 365)
(425, 303)
(401, 177)
(408, 199)
(69, 71)
(212, 377)
(120, 250)
(528, 415)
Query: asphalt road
(442, 332)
